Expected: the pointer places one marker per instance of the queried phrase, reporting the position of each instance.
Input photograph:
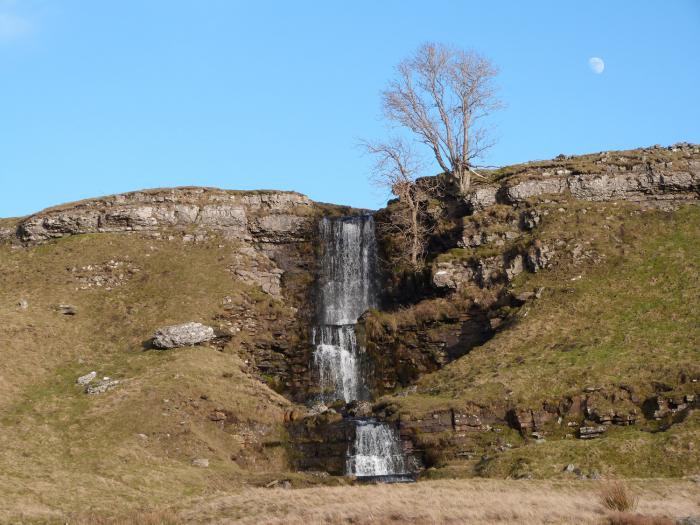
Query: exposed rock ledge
(644, 181)
(262, 216)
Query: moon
(596, 64)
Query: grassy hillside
(619, 306)
(133, 444)
(616, 308)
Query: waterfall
(346, 289)
(337, 362)
(347, 282)
(377, 451)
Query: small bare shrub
(616, 496)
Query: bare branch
(439, 94)
(396, 168)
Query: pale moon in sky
(596, 64)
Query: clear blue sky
(99, 97)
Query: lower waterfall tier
(377, 453)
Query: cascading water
(337, 362)
(347, 287)
(377, 452)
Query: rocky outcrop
(263, 216)
(397, 356)
(469, 430)
(187, 334)
(320, 441)
(253, 267)
(651, 174)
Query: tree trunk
(464, 180)
(415, 234)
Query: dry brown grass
(625, 518)
(454, 501)
(136, 517)
(616, 496)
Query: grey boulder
(186, 334)
(101, 386)
(87, 378)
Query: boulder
(87, 378)
(187, 334)
(537, 256)
(591, 432)
(101, 386)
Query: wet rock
(359, 409)
(87, 378)
(187, 334)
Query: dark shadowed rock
(66, 309)
(186, 334)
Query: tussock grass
(615, 495)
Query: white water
(346, 289)
(337, 362)
(347, 283)
(377, 451)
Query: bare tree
(442, 95)
(396, 168)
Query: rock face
(186, 334)
(651, 174)
(264, 216)
(269, 237)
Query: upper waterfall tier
(348, 270)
